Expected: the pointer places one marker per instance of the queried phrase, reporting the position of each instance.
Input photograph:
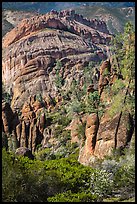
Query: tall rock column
(23, 140)
(91, 133)
(7, 118)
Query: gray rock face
(23, 151)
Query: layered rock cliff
(42, 57)
(31, 50)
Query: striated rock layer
(32, 49)
(30, 71)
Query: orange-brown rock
(36, 105)
(105, 72)
(23, 139)
(105, 141)
(31, 50)
(74, 128)
(91, 132)
(7, 116)
(34, 137)
(90, 88)
(41, 119)
(30, 139)
(18, 132)
(57, 20)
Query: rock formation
(22, 151)
(87, 150)
(44, 53)
(32, 129)
(32, 49)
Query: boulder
(106, 141)
(24, 151)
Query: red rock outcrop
(29, 68)
(31, 50)
(59, 20)
(91, 130)
(74, 126)
(105, 72)
(105, 141)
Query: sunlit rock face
(31, 50)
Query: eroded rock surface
(31, 72)
(91, 130)
(32, 49)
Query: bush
(45, 154)
(122, 169)
(73, 197)
(101, 183)
(4, 140)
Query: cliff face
(31, 50)
(33, 127)
(42, 57)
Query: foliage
(21, 174)
(58, 65)
(81, 131)
(58, 80)
(44, 154)
(116, 107)
(4, 140)
(117, 86)
(73, 197)
(5, 95)
(55, 175)
(25, 180)
(17, 186)
(39, 97)
(122, 169)
(75, 107)
(101, 183)
(92, 102)
(123, 91)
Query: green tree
(123, 99)
(58, 65)
(124, 52)
(5, 95)
(58, 80)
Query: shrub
(73, 197)
(81, 131)
(4, 140)
(39, 97)
(101, 183)
(45, 154)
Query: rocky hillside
(115, 14)
(11, 18)
(114, 17)
(44, 7)
(59, 94)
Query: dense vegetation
(59, 177)
(65, 180)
